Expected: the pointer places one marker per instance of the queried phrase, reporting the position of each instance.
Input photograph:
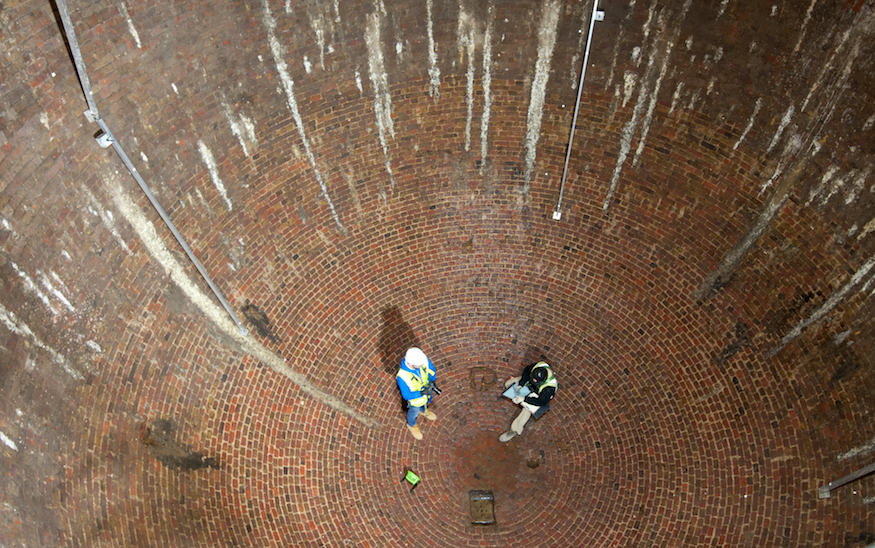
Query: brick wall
(133, 412)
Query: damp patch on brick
(742, 340)
(156, 435)
(259, 320)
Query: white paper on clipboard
(516, 390)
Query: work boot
(429, 415)
(507, 436)
(415, 431)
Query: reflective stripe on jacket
(415, 382)
(551, 379)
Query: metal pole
(91, 113)
(823, 492)
(595, 6)
(109, 139)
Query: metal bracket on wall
(823, 492)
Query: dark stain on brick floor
(863, 539)
(778, 322)
(396, 336)
(157, 437)
(259, 320)
(847, 364)
(742, 340)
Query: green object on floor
(411, 478)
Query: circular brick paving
(677, 423)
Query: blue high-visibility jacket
(422, 376)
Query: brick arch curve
(674, 425)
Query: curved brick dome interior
(361, 177)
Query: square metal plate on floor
(482, 507)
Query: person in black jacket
(541, 382)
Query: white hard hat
(415, 357)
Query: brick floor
(677, 423)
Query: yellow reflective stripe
(551, 379)
(415, 383)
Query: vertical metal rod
(83, 78)
(77, 60)
(595, 7)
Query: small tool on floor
(412, 479)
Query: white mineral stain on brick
(307, 66)
(18, 327)
(31, 287)
(867, 229)
(93, 346)
(465, 35)
(835, 185)
(358, 82)
(860, 28)
(833, 301)
(629, 81)
(750, 122)
(827, 176)
(8, 442)
(175, 90)
(6, 225)
(868, 123)
(59, 281)
(131, 27)
(654, 96)
(546, 44)
(319, 25)
(651, 12)
(380, 83)
(626, 135)
(105, 218)
(794, 145)
(156, 248)
(288, 86)
(628, 131)
(44, 120)
(636, 55)
(486, 82)
(66, 255)
(675, 97)
(47, 285)
(804, 26)
(242, 128)
(434, 72)
(213, 169)
(857, 186)
(784, 121)
(723, 4)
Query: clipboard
(516, 390)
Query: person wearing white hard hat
(542, 386)
(416, 382)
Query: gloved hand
(427, 391)
(519, 399)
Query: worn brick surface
(678, 422)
